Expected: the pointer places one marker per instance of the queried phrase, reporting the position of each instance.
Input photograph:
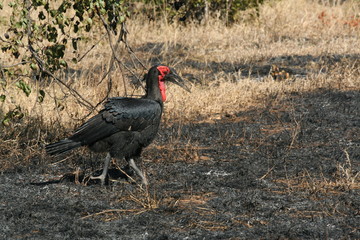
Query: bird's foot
(104, 173)
(144, 181)
(138, 172)
(101, 177)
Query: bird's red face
(163, 70)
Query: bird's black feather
(130, 115)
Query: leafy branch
(41, 32)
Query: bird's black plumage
(126, 125)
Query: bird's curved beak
(175, 78)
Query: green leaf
(6, 121)
(74, 43)
(59, 50)
(24, 86)
(5, 48)
(53, 13)
(76, 26)
(41, 15)
(15, 114)
(55, 51)
(63, 63)
(122, 19)
(38, 3)
(12, 4)
(88, 27)
(52, 34)
(2, 98)
(60, 20)
(10, 72)
(41, 96)
(33, 66)
(16, 54)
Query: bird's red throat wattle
(163, 71)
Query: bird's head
(165, 74)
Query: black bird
(126, 125)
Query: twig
(16, 64)
(62, 160)
(3, 83)
(266, 174)
(110, 211)
(131, 52)
(130, 49)
(41, 64)
(1, 39)
(121, 38)
(123, 79)
(113, 55)
(91, 48)
(107, 93)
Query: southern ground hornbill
(126, 125)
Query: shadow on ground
(284, 171)
(297, 66)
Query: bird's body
(125, 126)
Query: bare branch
(121, 38)
(129, 48)
(91, 48)
(41, 64)
(113, 49)
(16, 64)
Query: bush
(198, 10)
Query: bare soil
(285, 170)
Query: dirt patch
(288, 170)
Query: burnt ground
(285, 171)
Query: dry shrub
(345, 178)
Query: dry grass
(285, 28)
(344, 179)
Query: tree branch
(41, 64)
(121, 38)
(91, 48)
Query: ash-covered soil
(284, 171)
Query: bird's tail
(61, 146)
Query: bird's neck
(155, 90)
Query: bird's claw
(100, 177)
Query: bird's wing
(119, 114)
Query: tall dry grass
(284, 28)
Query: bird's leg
(138, 171)
(102, 177)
